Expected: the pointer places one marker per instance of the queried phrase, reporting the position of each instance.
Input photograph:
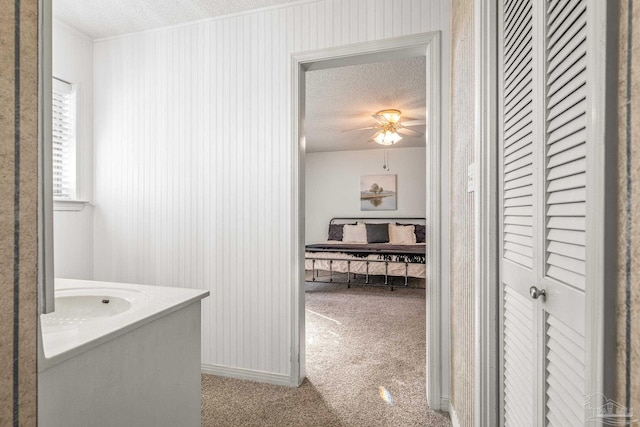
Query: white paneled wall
(193, 161)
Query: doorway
(427, 45)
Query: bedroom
(347, 314)
(343, 160)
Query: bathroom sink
(90, 307)
(75, 307)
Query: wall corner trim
(455, 422)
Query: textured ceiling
(345, 98)
(337, 99)
(106, 18)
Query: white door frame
(486, 387)
(601, 281)
(428, 45)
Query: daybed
(369, 247)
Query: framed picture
(378, 193)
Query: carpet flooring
(365, 367)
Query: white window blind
(64, 140)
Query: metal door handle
(537, 293)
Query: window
(64, 140)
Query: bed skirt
(373, 264)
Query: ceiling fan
(389, 127)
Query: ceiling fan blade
(373, 137)
(414, 123)
(407, 131)
(368, 127)
(380, 119)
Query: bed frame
(347, 220)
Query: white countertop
(148, 303)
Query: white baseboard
(247, 374)
(445, 404)
(454, 417)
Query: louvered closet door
(543, 149)
(519, 176)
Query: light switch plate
(471, 182)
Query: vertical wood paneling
(193, 165)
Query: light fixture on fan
(387, 137)
(391, 115)
(389, 121)
(389, 126)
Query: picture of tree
(376, 189)
(373, 195)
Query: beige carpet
(365, 367)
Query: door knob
(537, 293)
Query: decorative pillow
(420, 232)
(354, 233)
(402, 234)
(377, 233)
(336, 232)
